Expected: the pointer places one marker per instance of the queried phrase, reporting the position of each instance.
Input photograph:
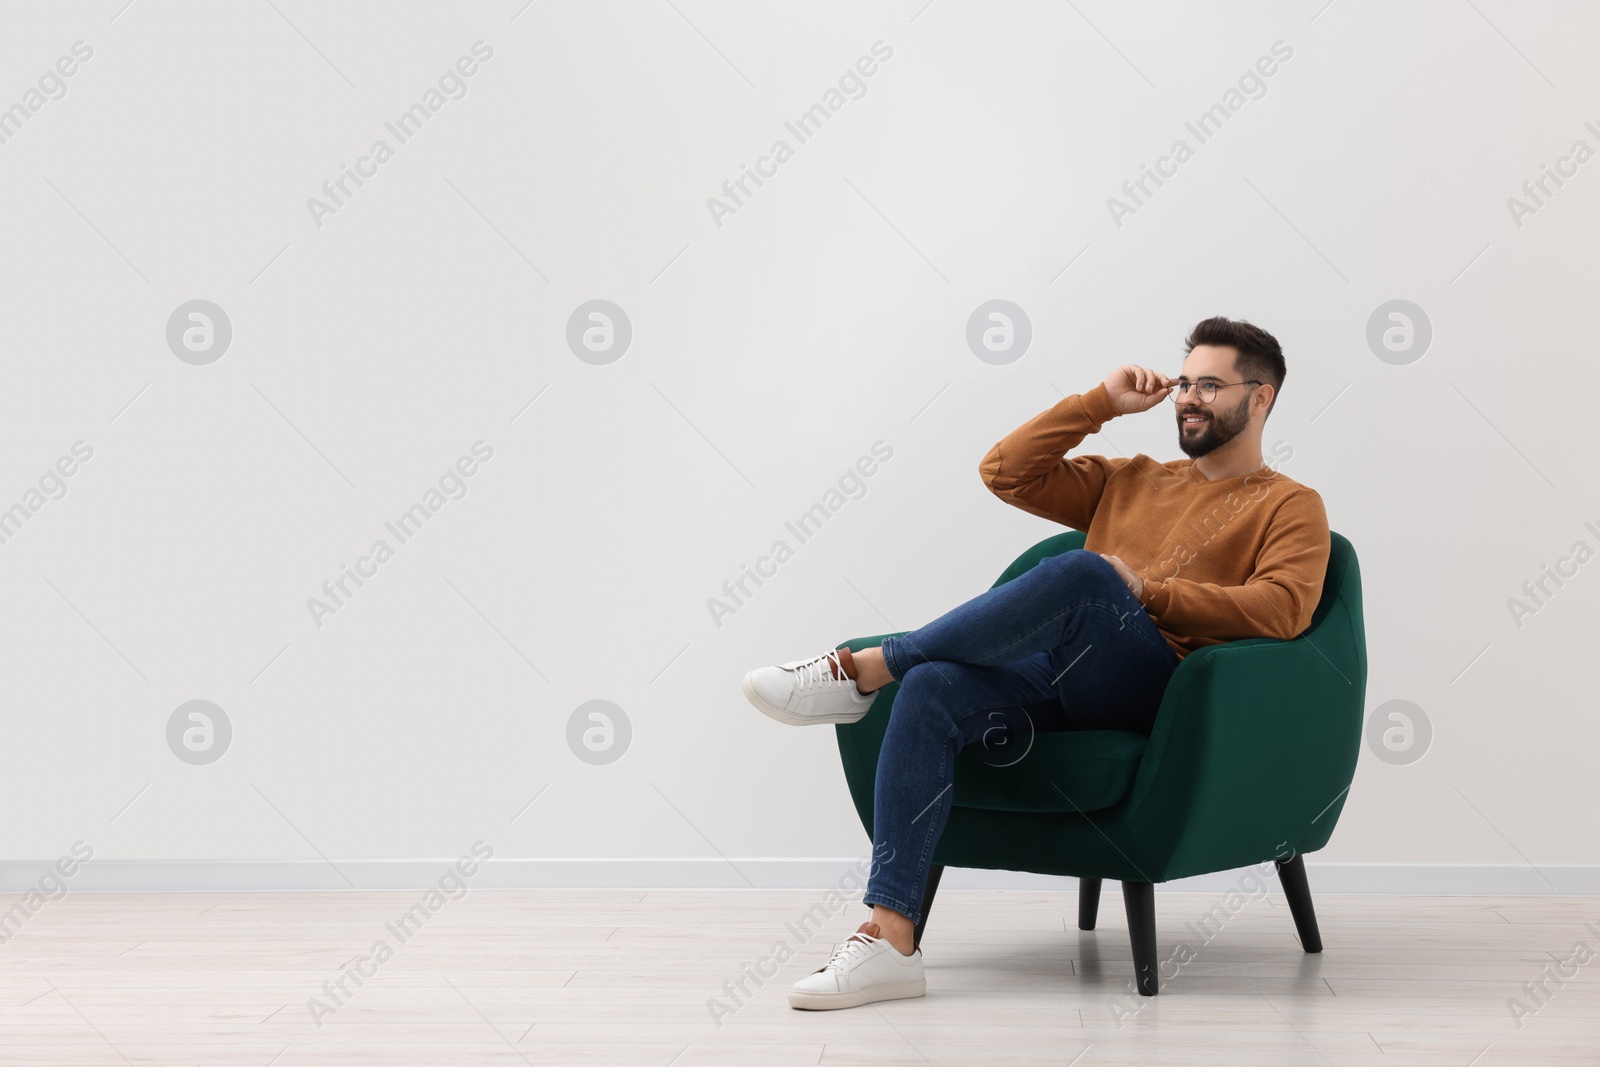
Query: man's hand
(1134, 583)
(1134, 389)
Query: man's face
(1203, 427)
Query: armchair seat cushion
(1061, 770)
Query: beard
(1219, 428)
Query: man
(1179, 555)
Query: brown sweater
(1221, 560)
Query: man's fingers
(1148, 381)
(1149, 386)
(1124, 571)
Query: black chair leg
(1088, 902)
(1292, 876)
(1139, 898)
(935, 873)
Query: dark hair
(1259, 354)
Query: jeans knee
(927, 687)
(921, 680)
(1081, 567)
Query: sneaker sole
(772, 711)
(854, 998)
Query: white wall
(768, 355)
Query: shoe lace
(847, 953)
(816, 674)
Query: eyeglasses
(1206, 390)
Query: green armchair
(1250, 758)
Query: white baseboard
(99, 876)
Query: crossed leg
(1064, 645)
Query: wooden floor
(566, 977)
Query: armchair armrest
(1253, 750)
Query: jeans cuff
(869, 898)
(886, 647)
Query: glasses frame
(1182, 386)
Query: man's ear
(1265, 390)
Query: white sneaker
(863, 969)
(805, 692)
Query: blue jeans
(1063, 646)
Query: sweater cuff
(1097, 405)
(1156, 597)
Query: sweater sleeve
(1026, 468)
(1279, 597)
